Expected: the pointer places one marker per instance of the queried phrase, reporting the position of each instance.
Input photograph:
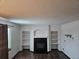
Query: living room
(39, 29)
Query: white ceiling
(53, 20)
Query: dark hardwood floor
(54, 54)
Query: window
(9, 38)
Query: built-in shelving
(25, 39)
(54, 40)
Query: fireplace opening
(40, 45)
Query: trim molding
(65, 55)
(16, 54)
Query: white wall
(15, 46)
(70, 46)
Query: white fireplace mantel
(40, 33)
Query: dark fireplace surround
(40, 45)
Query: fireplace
(40, 45)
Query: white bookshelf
(26, 39)
(54, 40)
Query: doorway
(3, 41)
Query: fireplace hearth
(40, 45)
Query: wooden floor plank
(54, 54)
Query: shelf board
(54, 43)
(54, 39)
(25, 44)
